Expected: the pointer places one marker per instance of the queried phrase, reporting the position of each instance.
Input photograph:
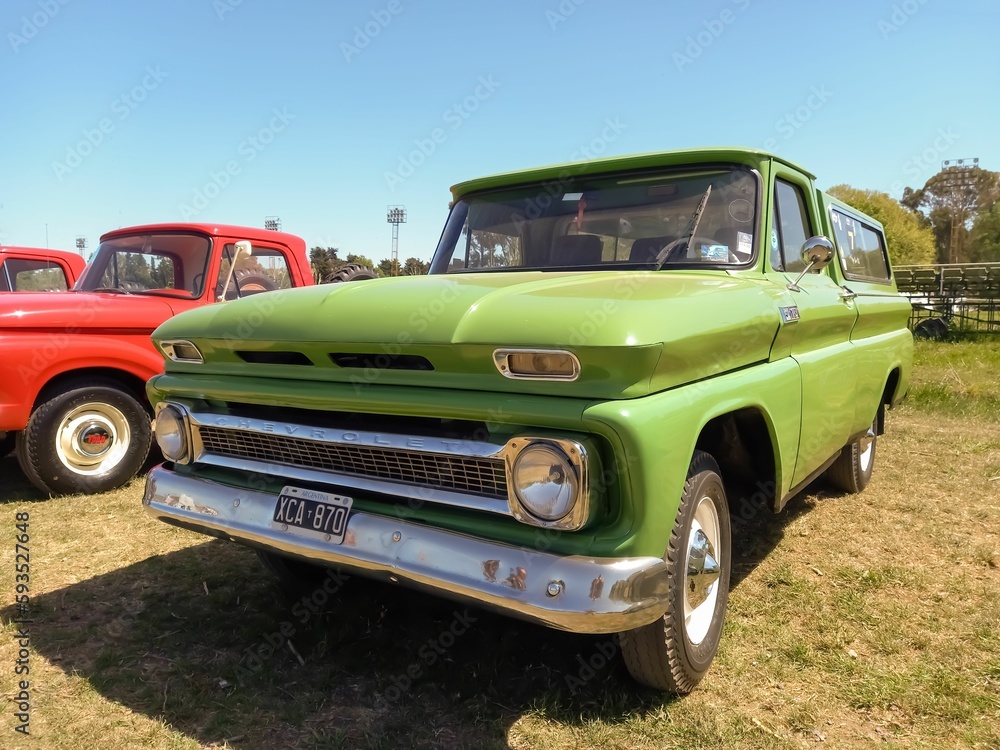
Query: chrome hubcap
(92, 438)
(702, 570)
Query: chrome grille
(480, 476)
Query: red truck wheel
(89, 438)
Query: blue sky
(119, 113)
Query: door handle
(847, 295)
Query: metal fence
(962, 296)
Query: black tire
(250, 281)
(852, 471)
(253, 282)
(299, 578)
(935, 329)
(663, 654)
(350, 272)
(54, 449)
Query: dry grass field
(854, 621)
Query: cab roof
(215, 230)
(720, 154)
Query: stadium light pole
(958, 178)
(273, 223)
(395, 215)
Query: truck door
(816, 328)
(863, 268)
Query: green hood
(634, 332)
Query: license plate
(319, 515)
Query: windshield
(159, 264)
(639, 220)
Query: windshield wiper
(113, 289)
(692, 229)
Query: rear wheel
(852, 471)
(87, 438)
(674, 653)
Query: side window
(264, 271)
(485, 249)
(24, 275)
(861, 249)
(791, 223)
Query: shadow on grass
(14, 486)
(204, 639)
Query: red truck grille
(480, 476)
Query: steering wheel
(679, 246)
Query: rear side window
(26, 275)
(861, 248)
(263, 271)
(791, 227)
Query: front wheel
(852, 471)
(88, 438)
(674, 653)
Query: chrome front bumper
(574, 593)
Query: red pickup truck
(73, 366)
(34, 269)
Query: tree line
(953, 218)
(327, 260)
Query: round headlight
(171, 434)
(545, 482)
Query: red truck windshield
(165, 264)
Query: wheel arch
(743, 443)
(890, 397)
(127, 381)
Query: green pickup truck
(564, 419)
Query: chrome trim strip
(500, 357)
(417, 443)
(416, 493)
(591, 595)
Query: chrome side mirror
(817, 253)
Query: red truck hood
(83, 310)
